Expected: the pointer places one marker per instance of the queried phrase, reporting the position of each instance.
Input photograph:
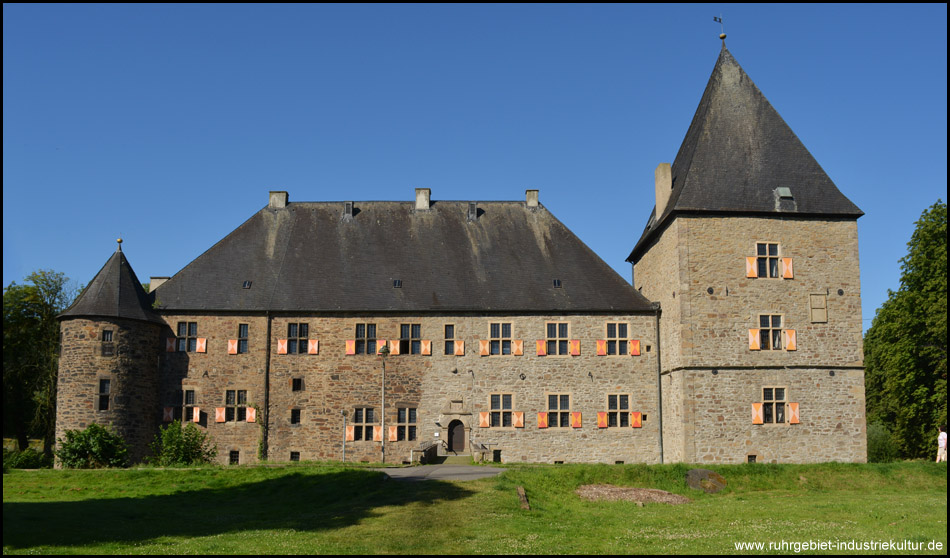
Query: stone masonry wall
(440, 387)
(131, 371)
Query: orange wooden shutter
(517, 347)
(484, 419)
(575, 420)
(633, 346)
(350, 433)
(393, 433)
(351, 346)
(787, 271)
(601, 347)
(377, 433)
(517, 419)
(168, 414)
(754, 340)
(542, 347)
(232, 346)
(202, 345)
(251, 414)
(460, 348)
(542, 420)
(601, 419)
(483, 349)
(394, 347)
(313, 346)
(793, 416)
(636, 419)
(195, 414)
(170, 343)
(791, 343)
(426, 347)
(380, 343)
(757, 416)
(282, 346)
(575, 347)
(219, 414)
(751, 269)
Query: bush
(881, 446)
(92, 448)
(26, 459)
(182, 445)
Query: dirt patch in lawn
(596, 492)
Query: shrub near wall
(92, 448)
(182, 445)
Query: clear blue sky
(167, 125)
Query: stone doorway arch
(456, 442)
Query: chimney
(155, 282)
(278, 200)
(422, 199)
(664, 186)
(531, 198)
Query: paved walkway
(441, 472)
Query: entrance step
(463, 459)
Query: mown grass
(331, 509)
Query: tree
(905, 349)
(31, 354)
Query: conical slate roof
(311, 257)
(115, 292)
(739, 156)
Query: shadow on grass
(295, 501)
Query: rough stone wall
(440, 387)
(131, 370)
(710, 330)
(718, 411)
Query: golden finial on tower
(119, 240)
(722, 27)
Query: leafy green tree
(182, 445)
(30, 355)
(905, 349)
(93, 448)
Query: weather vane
(722, 27)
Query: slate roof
(736, 154)
(307, 257)
(115, 292)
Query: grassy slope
(330, 509)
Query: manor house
(401, 330)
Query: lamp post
(384, 352)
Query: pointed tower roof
(739, 156)
(115, 292)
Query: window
(187, 337)
(366, 339)
(767, 259)
(108, 348)
(295, 456)
(557, 339)
(410, 342)
(406, 424)
(500, 335)
(235, 405)
(773, 405)
(501, 410)
(818, 306)
(234, 457)
(770, 332)
(618, 410)
(449, 339)
(297, 337)
(559, 410)
(616, 338)
(363, 423)
(296, 384)
(105, 390)
(242, 338)
(295, 416)
(188, 404)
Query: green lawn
(331, 509)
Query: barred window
(366, 339)
(297, 337)
(187, 337)
(406, 424)
(363, 423)
(410, 339)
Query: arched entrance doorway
(456, 436)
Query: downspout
(264, 440)
(659, 376)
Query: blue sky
(167, 125)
